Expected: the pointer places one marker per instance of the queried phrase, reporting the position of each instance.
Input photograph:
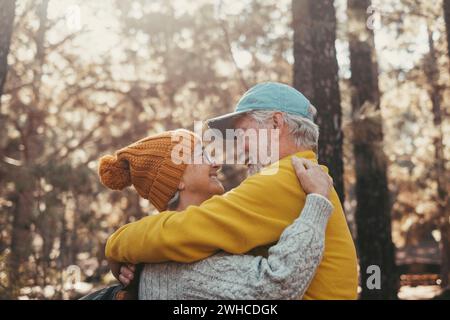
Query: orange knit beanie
(148, 166)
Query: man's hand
(312, 178)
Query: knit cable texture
(285, 274)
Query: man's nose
(247, 145)
(243, 142)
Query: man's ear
(278, 121)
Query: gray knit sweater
(285, 274)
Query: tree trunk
(26, 204)
(7, 13)
(316, 76)
(447, 23)
(435, 92)
(373, 210)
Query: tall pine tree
(7, 13)
(447, 23)
(373, 210)
(316, 75)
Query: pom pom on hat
(114, 173)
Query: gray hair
(174, 202)
(305, 132)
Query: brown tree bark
(373, 210)
(447, 23)
(7, 14)
(316, 76)
(26, 204)
(435, 92)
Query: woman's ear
(181, 186)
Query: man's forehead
(243, 121)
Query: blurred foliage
(141, 67)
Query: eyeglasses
(206, 157)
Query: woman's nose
(215, 165)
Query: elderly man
(252, 216)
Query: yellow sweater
(249, 216)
